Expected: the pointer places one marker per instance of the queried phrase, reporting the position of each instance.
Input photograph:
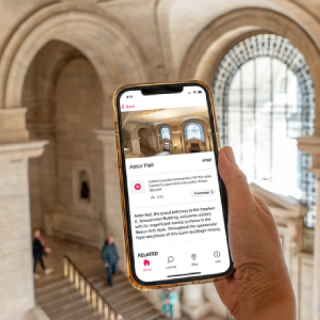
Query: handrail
(86, 289)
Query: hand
(106, 265)
(47, 250)
(259, 287)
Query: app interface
(175, 208)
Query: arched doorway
(146, 141)
(64, 101)
(88, 31)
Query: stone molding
(17, 152)
(311, 144)
(105, 135)
(96, 30)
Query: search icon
(170, 259)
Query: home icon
(146, 263)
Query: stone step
(89, 272)
(56, 295)
(61, 301)
(60, 282)
(102, 278)
(152, 315)
(91, 316)
(117, 288)
(137, 308)
(67, 307)
(63, 304)
(131, 312)
(44, 280)
(125, 299)
(135, 301)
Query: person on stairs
(39, 249)
(110, 258)
(169, 298)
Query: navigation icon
(217, 254)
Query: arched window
(264, 100)
(194, 130)
(165, 133)
(84, 186)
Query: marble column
(135, 144)
(208, 141)
(193, 303)
(113, 211)
(176, 141)
(16, 275)
(316, 258)
(43, 179)
(311, 144)
(217, 308)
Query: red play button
(137, 186)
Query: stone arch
(146, 136)
(41, 78)
(121, 63)
(158, 127)
(141, 126)
(216, 39)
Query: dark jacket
(37, 248)
(110, 254)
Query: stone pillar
(208, 140)
(217, 308)
(43, 179)
(16, 276)
(316, 258)
(193, 303)
(176, 141)
(311, 144)
(135, 144)
(113, 210)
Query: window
(84, 186)
(165, 133)
(264, 100)
(194, 130)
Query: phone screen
(175, 211)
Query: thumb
(238, 191)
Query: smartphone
(174, 202)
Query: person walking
(169, 297)
(39, 249)
(110, 258)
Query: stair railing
(93, 297)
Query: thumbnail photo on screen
(164, 132)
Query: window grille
(194, 130)
(264, 100)
(165, 133)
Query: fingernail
(230, 154)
